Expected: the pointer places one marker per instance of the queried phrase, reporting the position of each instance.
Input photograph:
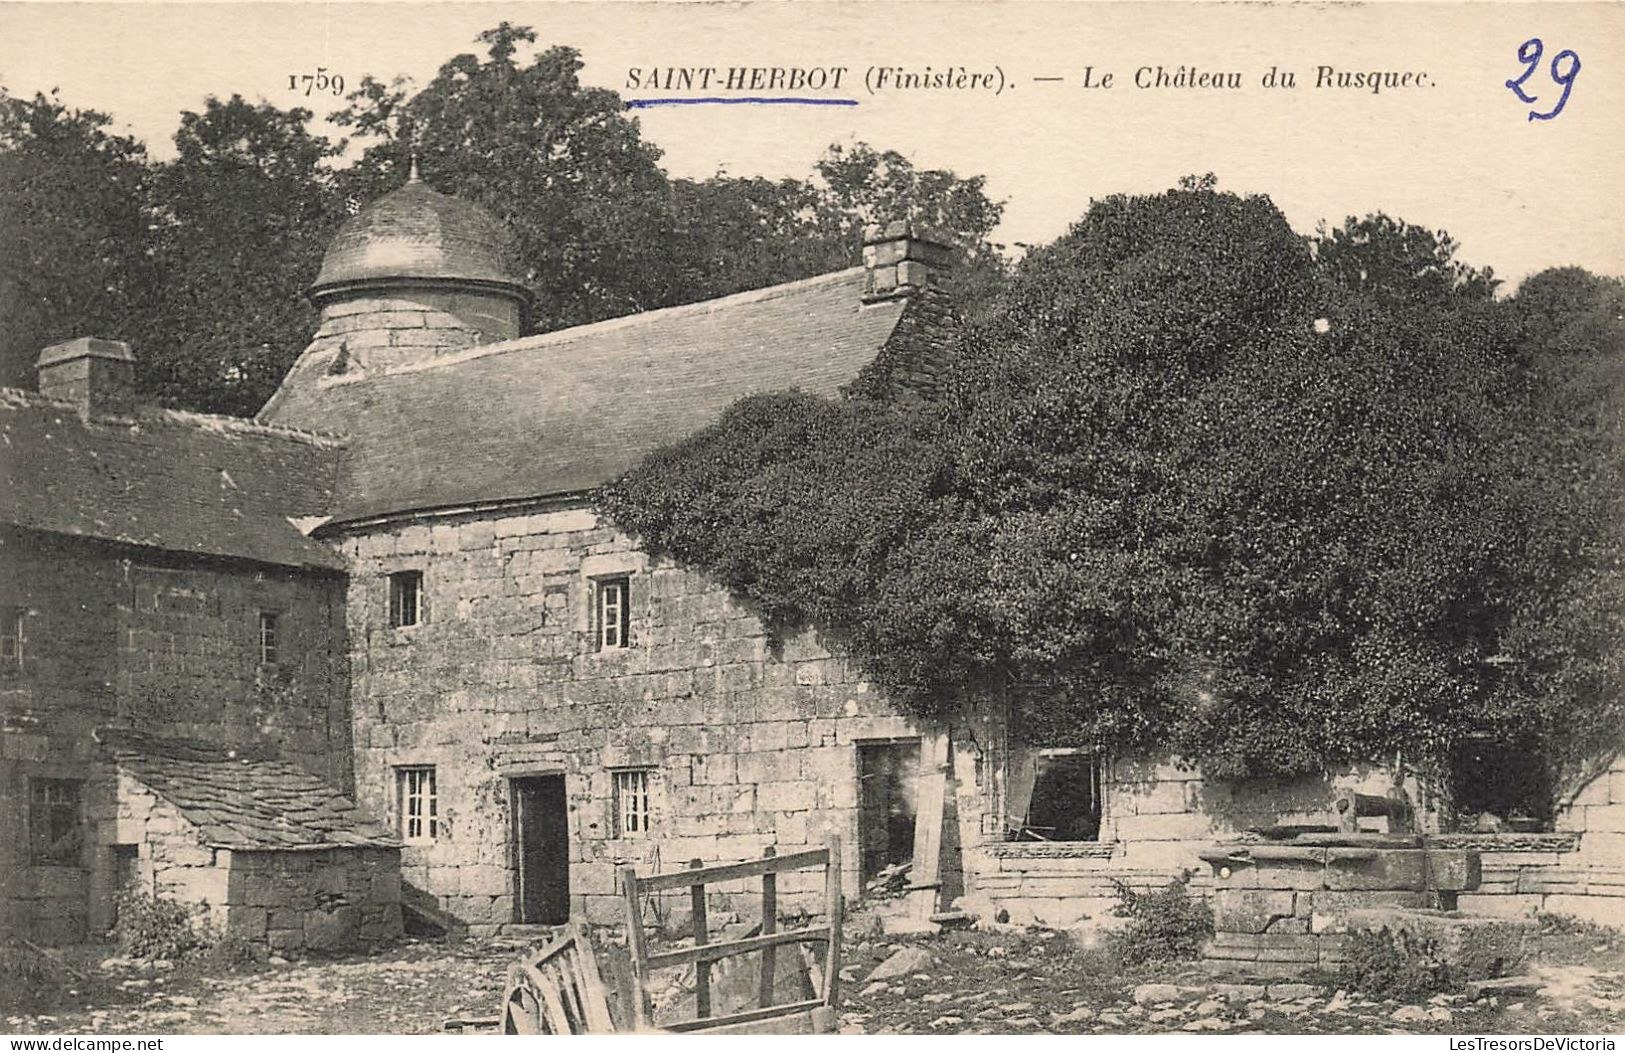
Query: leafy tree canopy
(74, 221)
(1388, 258)
(1184, 489)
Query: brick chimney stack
(99, 375)
(902, 258)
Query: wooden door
(541, 835)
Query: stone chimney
(902, 258)
(99, 375)
(908, 263)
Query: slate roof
(186, 482)
(248, 802)
(565, 411)
(417, 232)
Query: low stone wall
(1542, 873)
(1061, 884)
(321, 900)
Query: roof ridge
(625, 321)
(250, 426)
(148, 413)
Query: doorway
(541, 844)
(888, 774)
(126, 874)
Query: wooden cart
(557, 991)
(802, 1016)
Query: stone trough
(1286, 905)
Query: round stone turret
(418, 273)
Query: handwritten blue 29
(1529, 53)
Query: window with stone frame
(55, 832)
(1066, 800)
(270, 638)
(417, 803)
(13, 622)
(633, 810)
(405, 598)
(612, 612)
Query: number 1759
(320, 81)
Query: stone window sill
(1052, 849)
(1567, 841)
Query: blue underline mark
(753, 100)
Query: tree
(245, 210)
(75, 226)
(746, 233)
(1399, 263)
(1157, 507)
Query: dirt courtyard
(1006, 982)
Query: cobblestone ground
(1032, 982)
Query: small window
(632, 802)
(11, 639)
(1066, 797)
(405, 598)
(54, 830)
(613, 613)
(270, 637)
(419, 806)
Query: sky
(1454, 150)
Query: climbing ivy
(1184, 490)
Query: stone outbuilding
(156, 572)
(263, 849)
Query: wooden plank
(932, 791)
(637, 947)
(702, 966)
(730, 871)
(711, 952)
(770, 925)
(833, 908)
(749, 1015)
(554, 1019)
(593, 992)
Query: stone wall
(1157, 816)
(331, 899)
(1578, 871)
(320, 899)
(169, 645)
(750, 741)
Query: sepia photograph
(849, 517)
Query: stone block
(1603, 847)
(285, 939)
(1288, 925)
(328, 930)
(1481, 947)
(1250, 911)
(605, 910)
(484, 880)
(247, 922)
(1508, 905)
(1454, 871)
(1389, 869)
(1605, 818)
(1172, 826)
(786, 796)
(1601, 910)
(1329, 911)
